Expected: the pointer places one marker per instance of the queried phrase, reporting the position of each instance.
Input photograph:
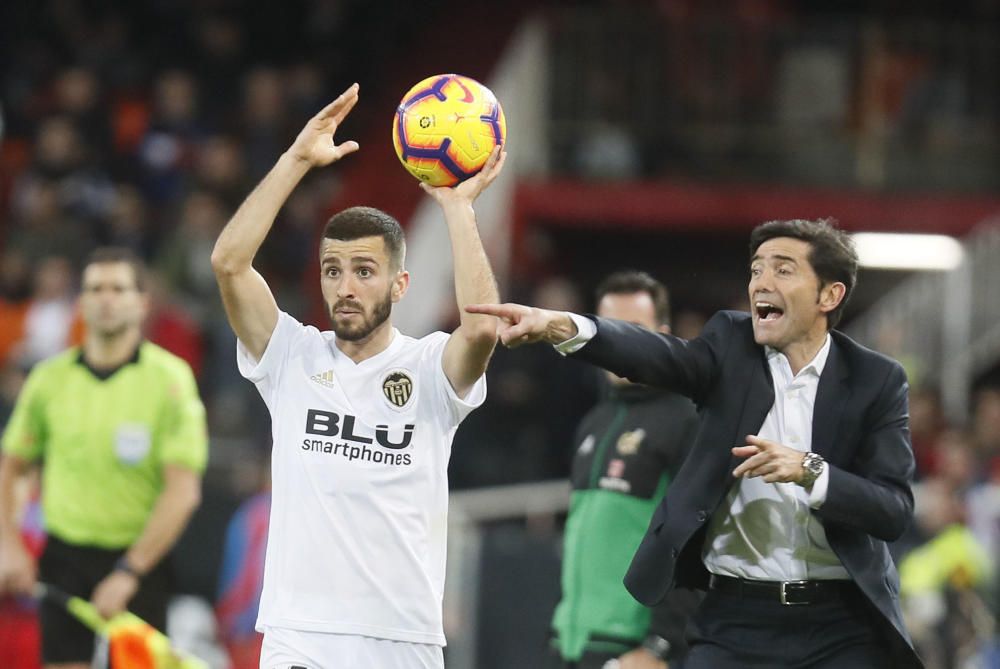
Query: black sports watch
(812, 466)
(657, 646)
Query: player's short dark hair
(831, 254)
(358, 222)
(105, 255)
(627, 282)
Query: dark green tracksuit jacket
(627, 449)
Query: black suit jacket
(860, 427)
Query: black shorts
(78, 570)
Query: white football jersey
(359, 508)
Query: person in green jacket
(628, 448)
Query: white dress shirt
(766, 531)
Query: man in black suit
(800, 472)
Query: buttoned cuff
(818, 493)
(585, 331)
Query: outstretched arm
(250, 306)
(470, 346)
(626, 349)
(521, 325)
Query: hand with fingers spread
(527, 325)
(469, 190)
(770, 460)
(315, 144)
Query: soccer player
(119, 430)
(362, 421)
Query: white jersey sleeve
(457, 408)
(266, 372)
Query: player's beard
(369, 321)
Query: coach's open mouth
(768, 312)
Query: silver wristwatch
(812, 467)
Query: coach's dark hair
(630, 281)
(358, 222)
(831, 253)
(120, 254)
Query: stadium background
(647, 134)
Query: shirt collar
(816, 365)
(105, 374)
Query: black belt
(789, 593)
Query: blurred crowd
(949, 559)
(874, 94)
(145, 125)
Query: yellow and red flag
(133, 643)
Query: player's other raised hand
(470, 189)
(315, 144)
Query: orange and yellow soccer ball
(445, 128)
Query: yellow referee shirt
(103, 440)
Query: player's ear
(831, 295)
(400, 285)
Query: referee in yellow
(119, 430)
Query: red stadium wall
(730, 208)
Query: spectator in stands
(50, 320)
(986, 422)
(266, 128)
(927, 422)
(184, 263)
(78, 97)
(169, 148)
(220, 169)
(128, 224)
(171, 326)
(43, 227)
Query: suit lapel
(758, 402)
(831, 398)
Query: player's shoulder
(297, 332)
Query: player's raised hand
(315, 144)
(470, 189)
(527, 325)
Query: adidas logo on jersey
(324, 379)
